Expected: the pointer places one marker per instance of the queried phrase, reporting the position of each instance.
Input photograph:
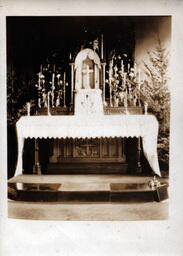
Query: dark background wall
(30, 40)
(147, 31)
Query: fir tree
(18, 94)
(156, 93)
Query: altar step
(87, 168)
(70, 189)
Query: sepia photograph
(88, 117)
(91, 128)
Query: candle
(139, 84)
(102, 50)
(124, 79)
(41, 68)
(64, 77)
(126, 103)
(110, 95)
(111, 63)
(28, 108)
(39, 80)
(135, 68)
(139, 87)
(64, 89)
(145, 108)
(115, 70)
(53, 79)
(70, 56)
(49, 103)
(128, 67)
(139, 77)
(122, 67)
(54, 68)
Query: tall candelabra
(51, 87)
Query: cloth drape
(93, 126)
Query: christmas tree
(156, 93)
(19, 92)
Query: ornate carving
(87, 148)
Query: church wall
(147, 31)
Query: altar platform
(86, 188)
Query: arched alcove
(87, 70)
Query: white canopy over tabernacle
(83, 54)
(91, 126)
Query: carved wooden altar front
(88, 150)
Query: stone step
(86, 192)
(87, 168)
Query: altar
(89, 134)
(77, 127)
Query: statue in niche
(88, 74)
(87, 68)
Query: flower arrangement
(123, 83)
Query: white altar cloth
(145, 126)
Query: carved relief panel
(102, 149)
(87, 148)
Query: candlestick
(64, 77)
(135, 68)
(57, 101)
(70, 56)
(39, 80)
(139, 76)
(54, 68)
(49, 104)
(126, 103)
(39, 102)
(145, 108)
(111, 96)
(139, 86)
(28, 108)
(64, 89)
(102, 50)
(122, 67)
(44, 98)
(139, 95)
(110, 85)
(124, 79)
(53, 79)
(72, 81)
(128, 67)
(103, 81)
(115, 68)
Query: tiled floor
(89, 211)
